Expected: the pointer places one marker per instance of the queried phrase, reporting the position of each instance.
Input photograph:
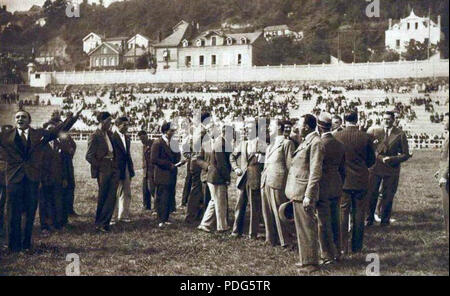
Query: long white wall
(403, 69)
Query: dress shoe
(161, 225)
(101, 229)
(369, 223)
(235, 235)
(126, 220)
(308, 269)
(327, 261)
(204, 228)
(377, 218)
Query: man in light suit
(23, 151)
(333, 176)
(391, 150)
(359, 156)
(302, 188)
(164, 158)
(122, 144)
(273, 182)
(102, 156)
(219, 169)
(442, 174)
(248, 164)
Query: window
(203, 42)
(213, 41)
(417, 25)
(408, 26)
(104, 62)
(37, 76)
(97, 62)
(187, 61)
(397, 43)
(185, 43)
(239, 59)
(105, 50)
(229, 41)
(243, 40)
(111, 61)
(427, 40)
(201, 60)
(213, 59)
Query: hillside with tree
(328, 25)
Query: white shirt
(25, 132)
(164, 137)
(122, 137)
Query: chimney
(439, 21)
(390, 23)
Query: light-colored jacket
(277, 162)
(306, 170)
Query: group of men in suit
(109, 154)
(23, 151)
(311, 182)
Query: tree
(385, 55)
(418, 51)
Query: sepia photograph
(224, 146)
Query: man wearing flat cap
(333, 176)
(302, 188)
(391, 150)
(164, 159)
(102, 156)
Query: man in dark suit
(248, 163)
(102, 156)
(52, 207)
(336, 124)
(148, 187)
(164, 160)
(333, 176)
(68, 149)
(3, 184)
(217, 163)
(302, 188)
(391, 150)
(359, 156)
(122, 145)
(442, 174)
(23, 149)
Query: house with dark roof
(272, 32)
(106, 55)
(188, 47)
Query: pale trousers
(122, 210)
(216, 212)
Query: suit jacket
(2, 167)
(97, 152)
(27, 161)
(249, 163)
(359, 156)
(123, 155)
(53, 170)
(163, 160)
(68, 148)
(146, 161)
(306, 170)
(395, 146)
(215, 161)
(333, 167)
(277, 163)
(443, 163)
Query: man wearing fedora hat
(165, 160)
(302, 188)
(333, 175)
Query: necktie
(386, 134)
(24, 138)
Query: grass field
(415, 245)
